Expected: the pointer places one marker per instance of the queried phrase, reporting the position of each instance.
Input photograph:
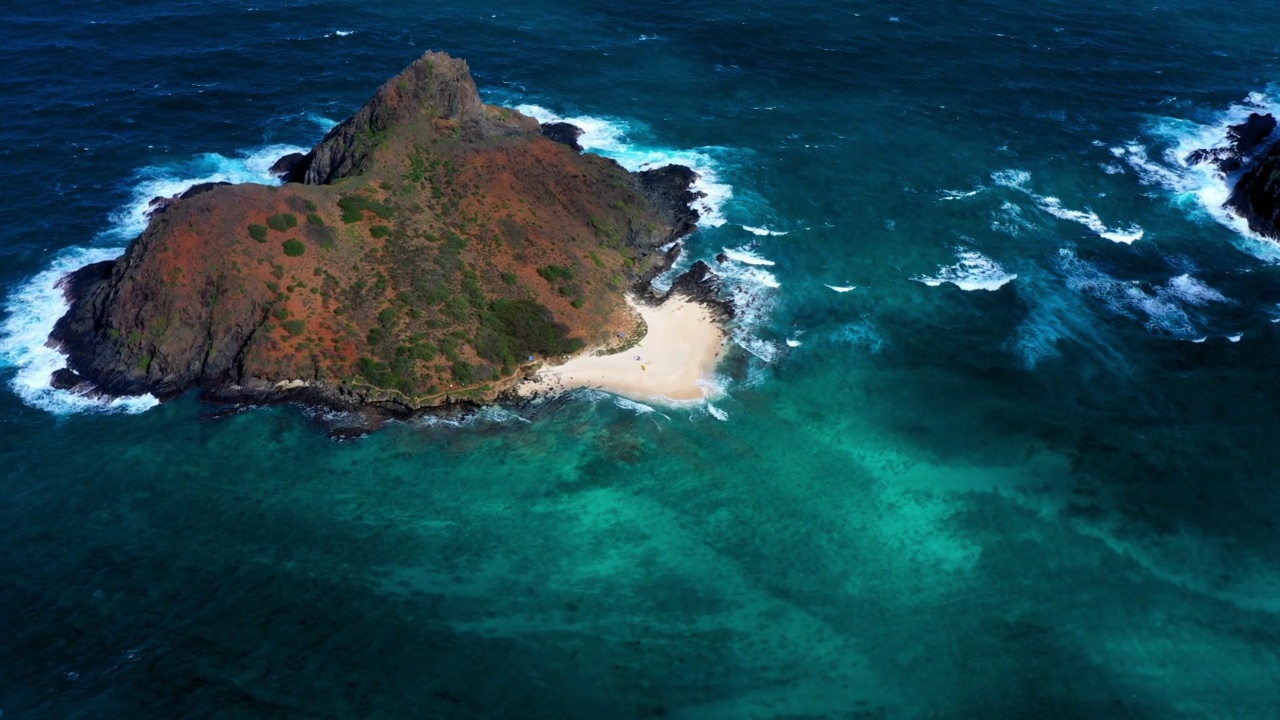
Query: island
(430, 250)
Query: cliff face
(423, 252)
(1256, 195)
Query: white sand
(682, 346)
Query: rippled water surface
(999, 432)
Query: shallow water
(1039, 500)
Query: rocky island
(432, 249)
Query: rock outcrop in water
(1242, 140)
(421, 254)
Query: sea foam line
(34, 306)
(610, 137)
(1018, 179)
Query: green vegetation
(379, 231)
(509, 278)
(258, 232)
(555, 273)
(354, 206)
(314, 219)
(513, 329)
(293, 248)
(282, 222)
(294, 327)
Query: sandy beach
(683, 344)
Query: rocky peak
(435, 85)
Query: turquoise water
(1042, 500)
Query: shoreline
(673, 362)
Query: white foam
(34, 306)
(717, 413)
(1018, 179)
(1200, 341)
(1159, 308)
(31, 311)
(487, 415)
(610, 137)
(343, 33)
(974, 271)
(763, 231)
(960, 194)
(842, 288)
(747, 255)
(1010, 220)
(322, 122)
(1193, 291)
(1235, 338)
(638, 408)
(793, 343)
(152, 182)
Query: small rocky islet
(430, 250)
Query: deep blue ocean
(998, 437)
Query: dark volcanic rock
(440, 85)
(200, 189)
(162, 204)
(1247, 135)
(1243, 138)
(701, 284)
(564, 133)
(288, 166)
(65, 379)
(722, 258)
(670, 189)
(1256, 195)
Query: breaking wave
(1018, 179)
(974, 271)
(611, 138)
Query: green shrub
(379, 231)
(314, 219)
(463, 372)
(578, 302)
(282, 222)
(294, 327)
(513, 329)
(258, 232)
(293, 248)
(554, 273)
(509, 278)
(354, 206)
(311, 206)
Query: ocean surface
(998, 436)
